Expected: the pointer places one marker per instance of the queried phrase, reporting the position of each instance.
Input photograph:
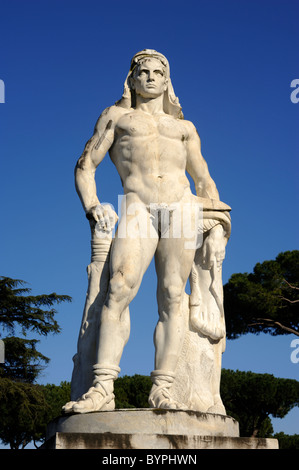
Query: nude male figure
(152, 151)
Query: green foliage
(287, 442)
(22, 360)
(22, 406)
(251, 398)
(265, 300)
(56, 396)
(26, 311)
(132, 392)
(26, 409)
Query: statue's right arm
(94, 152)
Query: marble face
(149, 80)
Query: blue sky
(63, 62)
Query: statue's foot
(160, 398)
(160, 395)
(93, 400)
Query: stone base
(149, 429)
(112, 441)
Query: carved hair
(141, 62)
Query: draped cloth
(197, 378)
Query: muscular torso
(149, 153)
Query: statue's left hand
(214, 247)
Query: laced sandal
(96, 399)
(160, 396)
(100, 396)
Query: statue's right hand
(102, 217)
(92, 216)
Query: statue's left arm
(214, 245)
(197, 166)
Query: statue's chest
(138, 124)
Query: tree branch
(263, 321)
(290, 285)
(288, 300)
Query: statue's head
(149, 54)
(171, 103)
(149, 77)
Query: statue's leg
(173, 265)
(130, 257)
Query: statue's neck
(150, 105)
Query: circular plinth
(146, 421)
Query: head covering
(171, 103)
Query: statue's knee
(121, 287)
(172, 294)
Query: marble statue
(152, 147)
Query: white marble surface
(153, 148)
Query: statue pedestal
(149, 429)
